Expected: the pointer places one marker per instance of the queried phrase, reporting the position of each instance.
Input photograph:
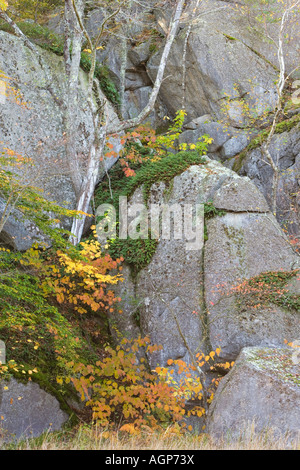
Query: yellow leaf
(128, 428)
(3, 5)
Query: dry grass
(91, 438)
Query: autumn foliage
(83, 281)
(122, 391)
(145, 144)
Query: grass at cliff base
(92, 438)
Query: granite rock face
(285, 148)
(262, 389)
(230, 70)
(241, 246)
(32, 124)
(190, 296)
(224, 57)
(28, 411)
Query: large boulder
(261, 390)
(189, 300)
(27, 411)
(241, 246)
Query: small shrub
(121, 388)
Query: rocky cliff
(34, 122)
(204, 288)
(241, 288)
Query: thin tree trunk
(123, 75)
(186, 39)
(71, 111)
(86, 195)
(127, 124)
(96, 152)
(278, 108)
(84, 186)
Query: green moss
(147, 174)
(237, 246)
(34, 31)
(261, 56)
(275, 361)
(239, 160)
(138, 253)
(230, 38)
(50, 41)
(102, 73)
(210, 211)
(283, 126)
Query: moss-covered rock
(245, 252)
(283, 126)
(138, 253)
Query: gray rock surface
(136, 99)
(35, 128)
(220, 62)
(227, 141)
(241, 246)
(27, 410)
(262, 389)
(285, 149)
(193, 292)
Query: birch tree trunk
(282, 80)
(72, 55)
(185, 45)
(84, 175)
(88, 182)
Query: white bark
(278, 108)
(75, 31)
(186, 39)
(88, 187)
(101, 131)
(75, 38)
(127, 124)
